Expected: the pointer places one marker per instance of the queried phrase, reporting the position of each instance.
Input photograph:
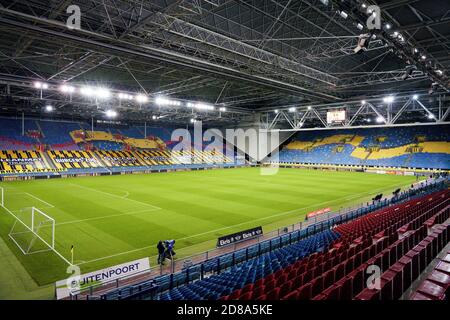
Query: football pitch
(115, 219)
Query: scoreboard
(335, 116)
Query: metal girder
(372, 78)
(357, 113)
(445, 115)
(428, 111)
(92, 60)
(400, 112)
(188, 84)
(338, 48)
(214, 39)
(169, 56)
(317, 114)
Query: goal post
(2, 195)
(33, 231)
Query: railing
(217, 260)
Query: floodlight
(102, 93)
(48, 108)
(111, 113)
(141, 98)
(380, 119)
(87, 91)
(415, 97)
(125, 96)
(343, 14)
(292, 109)
(40, 85)
(222, 109)
(388, 99)
(203, 106)
(67, 89)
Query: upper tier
(418, 147)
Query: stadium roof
(243, 55)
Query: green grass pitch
(115, 219)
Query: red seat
(235, 294)
(368, 294)
(407, 271)
(301, 269)
(358, 283)
(262, 297)
(285, 288)
(317, 286)
(274, 294)
(320, 297)
(291, 295)
(268, 286)
(246, 296)
(269, 278)
(281, 280)
(358, 259)
(288, 269)
(304, 292)
(415, 264)
(332, 293)
(297, 264)
(297, 282)
(345, 292)
(292, 274)
(385, 260)
(259, 283)
(247, 288)
(328, 279)
(308, 275)
(349, 265)
(397, 285)
(257, 292)
(339, 271)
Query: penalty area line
(106, 217)
(115, 196)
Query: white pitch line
(48, 204)
(115, 196)
(236, 225)
(105, 217)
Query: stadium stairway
(435, 284)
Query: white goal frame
(34, 211)
(34, 230)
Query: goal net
(32, 229)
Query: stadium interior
(225, 150)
